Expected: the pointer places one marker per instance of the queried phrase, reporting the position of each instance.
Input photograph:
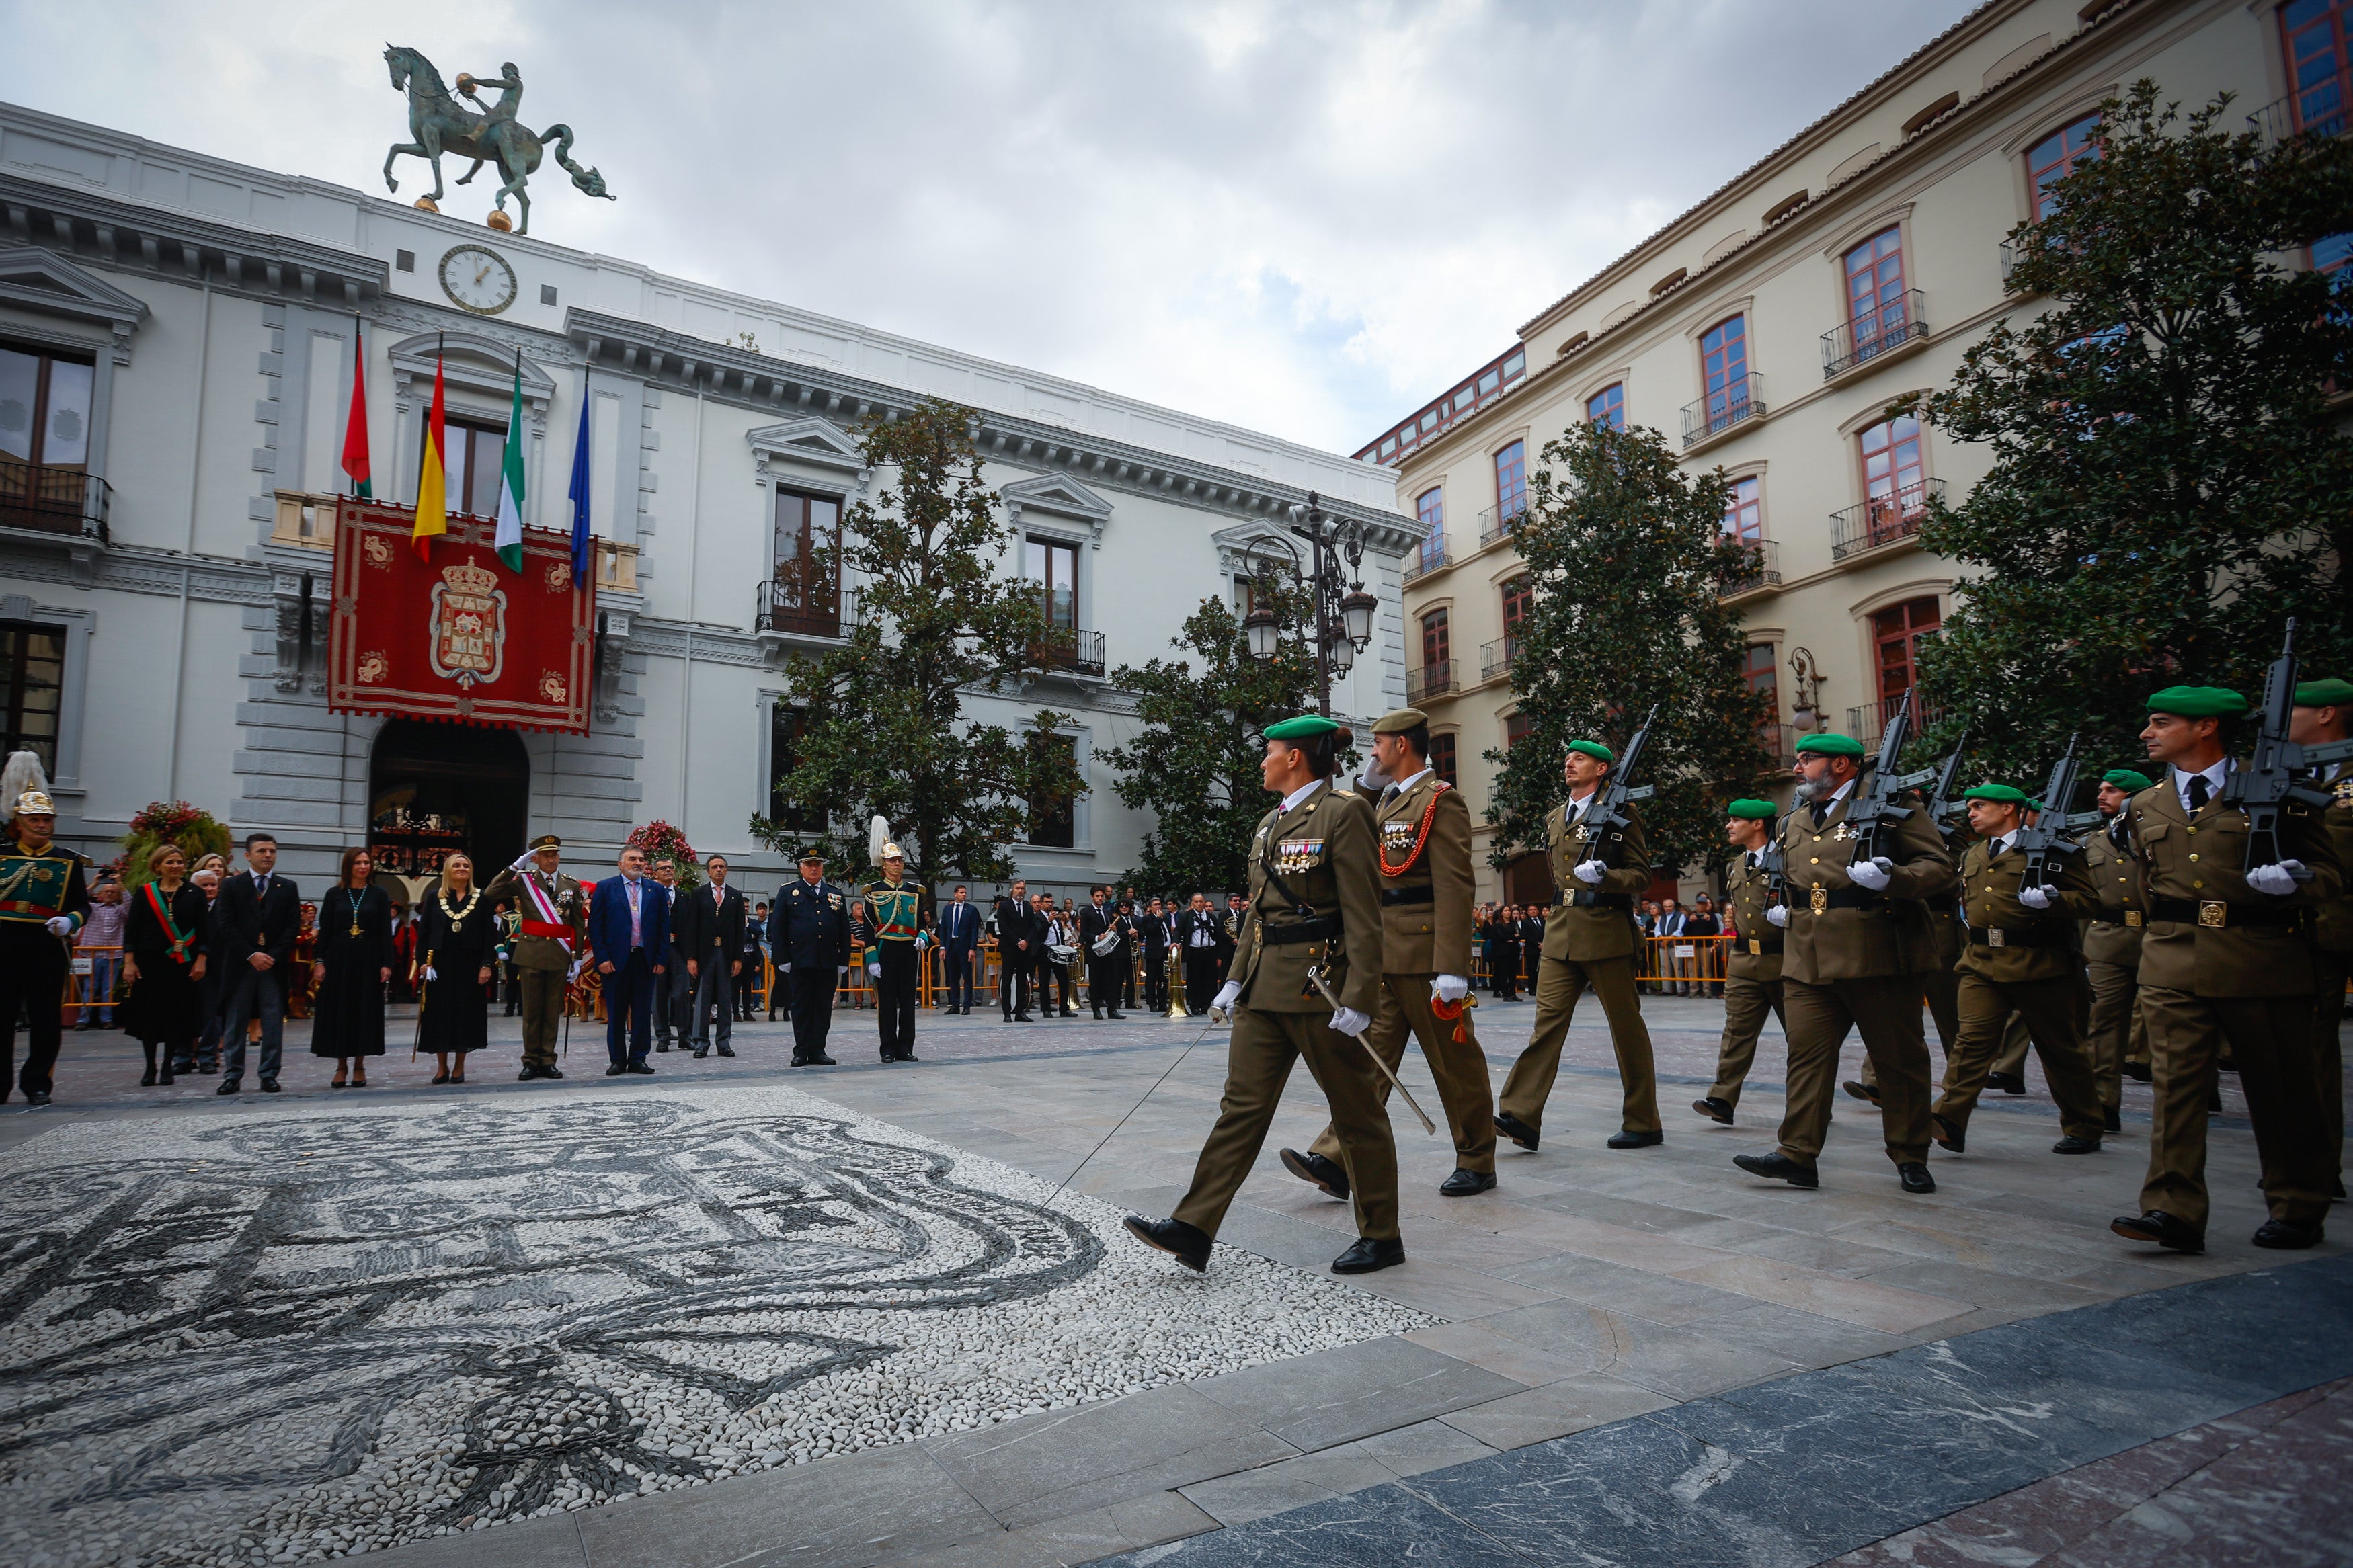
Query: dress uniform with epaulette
(1752, 968)
(808, 941)
(894, 915)
(1424, 854)
(2332, 919)
(550, 935)
(2020, 960)
(1313, 908)
(43, 902)
(2116, 1040)
(2223, 960)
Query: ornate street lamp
(1344, 612)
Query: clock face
(478, 279)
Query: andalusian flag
(355, 442)
(510, 545)
(433, 481)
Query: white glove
(2278, 880)
(844, 975)
(577, 965)
(1228, 994)
(1589, 872)
(873, 967)
(1449, 988)
(1349, 1021)
(62, 925)
(1778, 915)
(429, 974)
(2035, 897)
(1872, 873)
(522, 862)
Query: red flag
(355, 432)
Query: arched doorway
(435, 788)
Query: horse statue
(439, 123)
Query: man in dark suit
(1127, 918)
(1019, 945)
(1098, 921)
(1152, 934)
(259, 913)
(1198, 930)
(629, 934)
(809, 938)
(959, 927)
(710, 924)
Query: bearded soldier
(1752, 965)
(2115, 1036)
(1857, 953)
(2323, 714)
(1313, 911)
(1426, 886)
(552, 936)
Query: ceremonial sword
(1421, 1116)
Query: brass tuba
(1176, 967)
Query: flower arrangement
(191, 827)
(659, 838)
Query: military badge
(1819, 900)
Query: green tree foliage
(1194, 764)
(884, 727)
(2168, 481)
(1628, 557)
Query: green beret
(2331, 693)
(2126, 780)
(1595, 750)
(1306, 726)
(2000, 794)
(1398, 723)
(1833, 744)
(2197, 702)
(1753, 810)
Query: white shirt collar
(1401, 785)
(1842, 790)
(1577, 808)
(1290, 802)
(2213, 777)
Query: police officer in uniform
(1752, 961)
(808, 941)
(2115, 1037)
(1856, 950)
(2223, 960)
(1314, 900)
(894, 918)
(1588, 944)
(1426, 886)
(2020, 960)
(551, 936)
(43, 902)
(2323, 714)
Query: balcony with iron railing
(1729, 406)
(1429, 680)
(1881, 520)
(63, 502)
(1067, 650)
(1757, 568)
(1496, 657)
(795, 608)
(1497, 523)
(1426, 557)
(1869, 722)
(1780, 743)
(2316, 107)
(1874, 334)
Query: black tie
(1821, 814)
(2198, 792)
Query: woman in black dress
(458, 938)
(164, 967)
(354, 963)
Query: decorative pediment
(46, 284)
(1061, 496)
(1238, 542)
(471, 360)
(820, 442)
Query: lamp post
(1343, 610)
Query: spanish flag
(432, 482)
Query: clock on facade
(478, 279)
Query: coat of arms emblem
(466, 632)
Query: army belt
(1820, 899)
(1587, 898)
(2131, 917)
(551, 931)
(26, 906)
(2215, 914)
(1422, 895)
(1759, 947)
(2016, 936)
(1292, 934)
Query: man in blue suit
(628, 932)
(959, 925)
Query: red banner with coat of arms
(458, 636)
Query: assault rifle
(2041, 841)
(1875, 809)
(2270, 781)
(1606, 821)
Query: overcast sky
(1304, 219)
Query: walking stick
(418, 1044)
(1420, 1115)
(1213, 1022)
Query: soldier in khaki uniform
(2020, 960)
(1424, 855)
(2112, 947)
(1588, 944)
(2324, 712)
(552, 934)
(1314, 900)
(1856, 952)
(2223, 960)
(1752, 963)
